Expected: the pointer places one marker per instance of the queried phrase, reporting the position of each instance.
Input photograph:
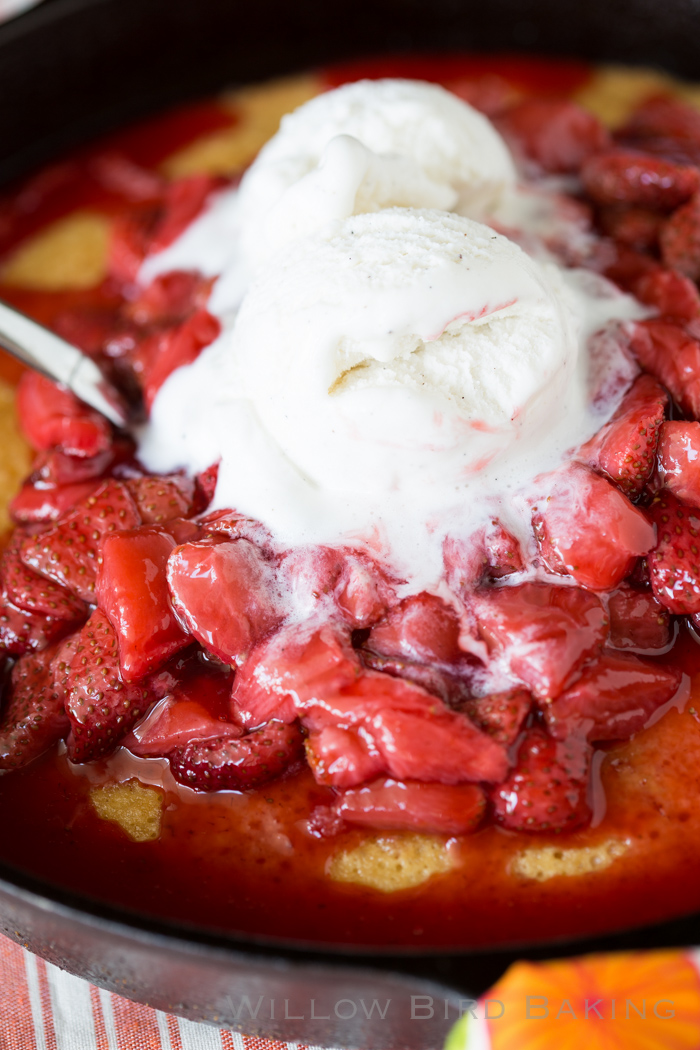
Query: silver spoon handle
(47, 353)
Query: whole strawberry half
(236, 764)
(625, 448)
(33, 717)
(69, 552)
(101, 707)
(546, 791)
(674, 563)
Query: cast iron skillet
(74, 68)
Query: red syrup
(246, 862)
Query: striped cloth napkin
(44, 1008)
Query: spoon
(36, 346)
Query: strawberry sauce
(251, 855)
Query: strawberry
(177, 347)
(349, 583)
(132, 591)
(69, 552)
(56, 468)
(588, 529)
(450, 683)
(613, 699)
(51, 415)
(101, 333)
(674, 564)
(625, 448)
(34, 593)
(663, 118)
(620, 176)
(100, 706)
(119, 174)
(228, 764)
(637, 621)
(673, 356)
(206, 484)
(680, 239)
(547, 789)
(501, 715)
(556, 134)
(489, 553)
(543, 634)
(342, 757)
(173, 723)
(160, 499)
(630, 225)
(224, 594)
(39, 504)
(422, 627)
(448, 809)
(679, 460)
(183, 200)
(169, 299)
(675, 297)
(129, 241)
(22, 631)
(296, 664)
(33, 718)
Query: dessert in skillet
(381, 627)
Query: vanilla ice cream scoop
(402, 349)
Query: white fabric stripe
(198, 1036)
(35, 1000)
(108, 1018)
(163, 1032)
(73, 1021)
(237, 1040)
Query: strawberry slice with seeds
(160, 499)
(132, 591)
(34, 593)
(230, 764)
(620, 176)
(674, 564)
(225, 595)
(637, 620)
(22, 631)
(101, 707)
(547, 789)
(588, 529)
(679, 239)
(625, 448)
(679, 460)
(51, 415)
(613, 699)
(69, 552)
(448, 809)
(673, 356)
(33, 719)
(501, 715)
(543, 634)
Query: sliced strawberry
(40, 504)
(490, 553)
(542, 633)
(588, 529)
(449, 809)
(226, 523)
(450, 682)
(620, 176)
(674, 564)
(556, 134)
(34, 593)
(348, 582)
(228, 764)
(160, 499)
(100, 706)
(129, 241)
(421, 627)
(547, 789)
(680, 239)
(342, 757)
(679, 460)
(663, 117)
(132, 590)
(297, 663)
(100, 332)
(613, 699)
(56, 468)
(501, 715)
(675, 297)
(225, 595)
(51, 415)
(33, 719)
(170, 298)
(612, 367)
(625, 448)
(119, 174)
(637, 621)
(177, 347)
(172, 724)
(69, 551)
(630, 225)
(673, 356)
(418, 737)
(206, 484)
(183, 201)
(22, 631)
